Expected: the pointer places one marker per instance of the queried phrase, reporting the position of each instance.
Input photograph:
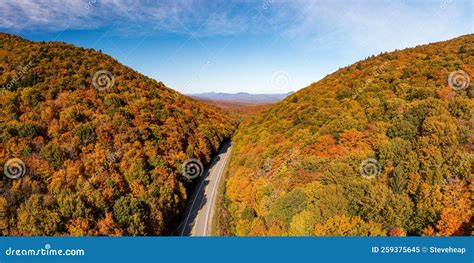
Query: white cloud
(49, 15)
(184, 16)
(378, 24)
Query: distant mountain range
(241, 97)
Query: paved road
(197, 218)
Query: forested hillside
(381, 147)
(98, 148)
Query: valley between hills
(91, 147)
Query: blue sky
(264, 46)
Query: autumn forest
(91, 147)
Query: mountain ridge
(299, 167)
(101, 149)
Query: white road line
(192, 206)
(190, 211)
(216, 183)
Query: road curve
(197, 219)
